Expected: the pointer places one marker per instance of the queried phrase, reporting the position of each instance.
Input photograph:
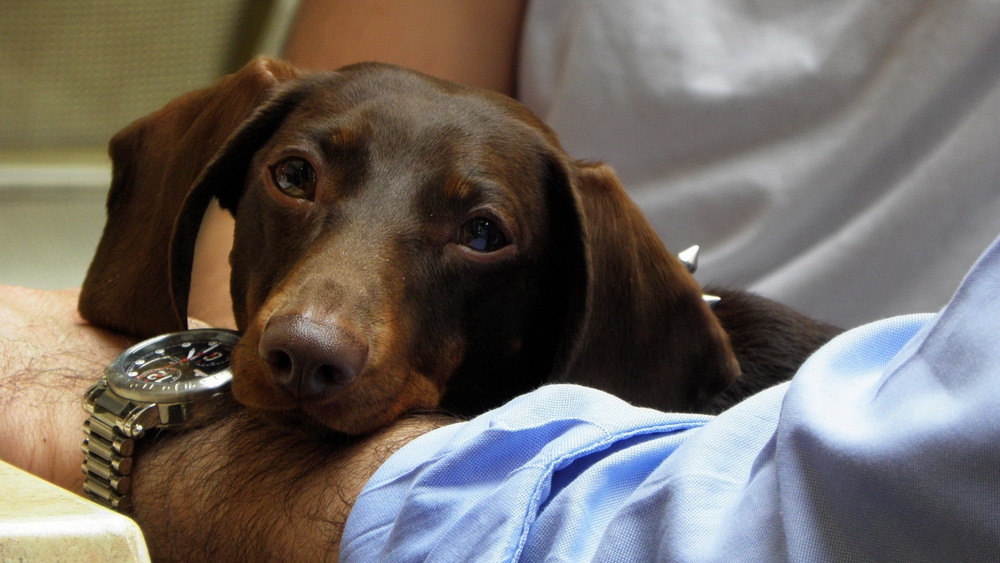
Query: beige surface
(42, 522)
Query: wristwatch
(163, 382)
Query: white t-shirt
(841, 156)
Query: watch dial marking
(175, 366)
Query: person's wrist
(48, 358)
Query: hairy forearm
(243, 489)
(239, 489)
(48, 358)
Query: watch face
(177, 367)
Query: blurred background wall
(72, 73)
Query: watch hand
(192, 355)
(202, 353)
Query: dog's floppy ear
(155, 162)
(225, 178)
(643, 314)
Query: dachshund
(406, 243)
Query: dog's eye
(295, 177)
(482, 235)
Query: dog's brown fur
(368, 274)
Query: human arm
(48, 357)
(470, 42)
(239, 489)
(243, 489)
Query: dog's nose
(311, 361)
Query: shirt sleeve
(474, 491)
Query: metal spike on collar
(689, 257)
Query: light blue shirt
(885, 446)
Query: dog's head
(403, 243)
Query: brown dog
(407, 243)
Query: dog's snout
(311, 361)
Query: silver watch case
(140, 404)
(161, 382)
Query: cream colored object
(42, 522)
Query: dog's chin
(298, 422)
(365, 407)
(319, 424)
(347, 421)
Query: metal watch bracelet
(111, 432)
